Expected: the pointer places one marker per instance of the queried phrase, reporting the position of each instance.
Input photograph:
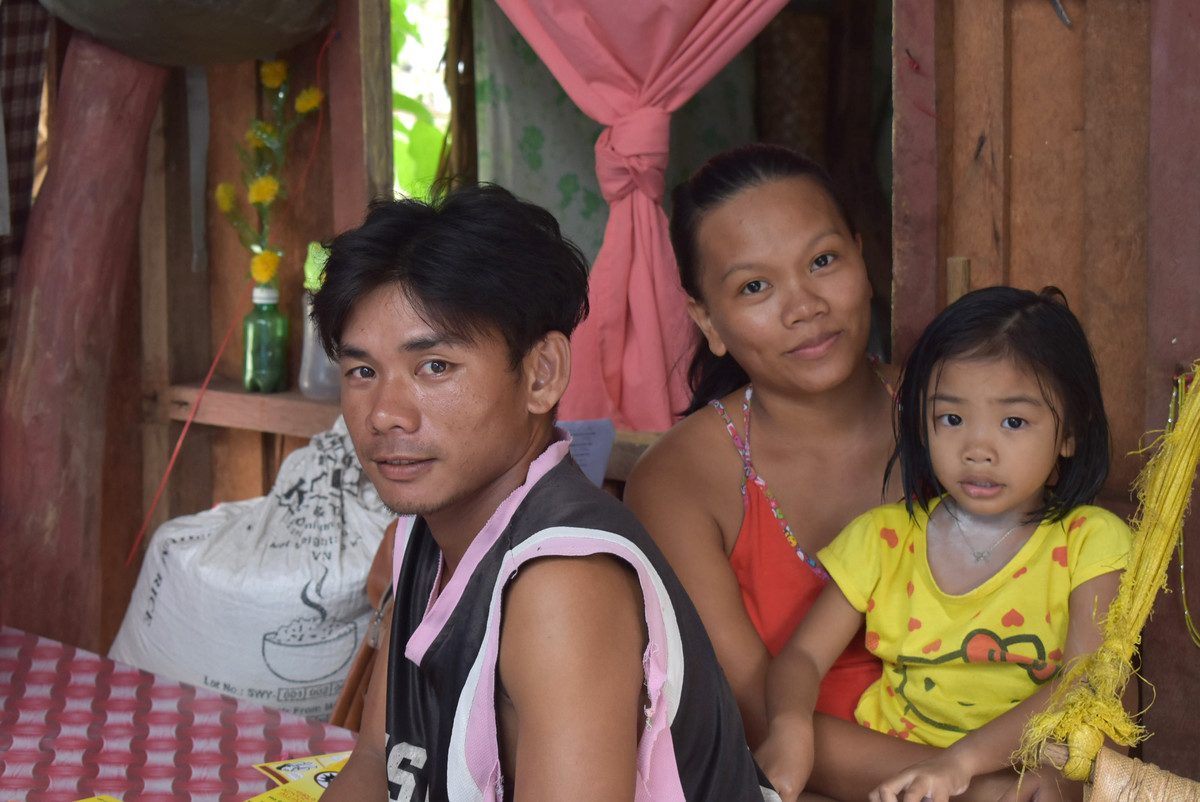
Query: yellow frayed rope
(1086, 704)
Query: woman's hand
(936, 779)
(786, 756)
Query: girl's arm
(990, 747)
(793, 683)
(676, 490)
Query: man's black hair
(1037, 331)
(473, 261)
(720, 179)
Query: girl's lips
(815, 347)
(976, 489)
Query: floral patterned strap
(753, 476)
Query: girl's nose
(979, 450)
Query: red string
(187, 424)
(312, 153)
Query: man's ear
(698, 312)
(547, 369)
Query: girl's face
(994, 439)
(783, 286)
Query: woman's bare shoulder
(693, 457)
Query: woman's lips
(816, 346)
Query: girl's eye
(1013, 422)
(824, 260)
(434, 367)
(753, 287)
(360, 372)
(949, 419)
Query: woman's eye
(434, 367)
(824, 260)
(1013, 422)
(949, 419)
(754, 287)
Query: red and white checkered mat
(74, 725)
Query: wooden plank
(627, 449)
(1116, 203)
(226, 404)
(915, 188)
(1046, 139)
(1170, 659)
(976, 217)
(346, 119)
(375, 58)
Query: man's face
(443, 427)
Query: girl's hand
(936, 779)
(786, 757)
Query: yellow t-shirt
(953, 663)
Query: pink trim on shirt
(443, 605)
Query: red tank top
(779, 582)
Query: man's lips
(401, 468)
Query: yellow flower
(225, 197)
(273, 73)
(263, 190)
(264, 266)
(252, 137)
(309, 99)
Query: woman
(776, 283)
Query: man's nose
(394, 406)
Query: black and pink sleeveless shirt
(442, 739)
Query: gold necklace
(986, 554)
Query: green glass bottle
(264, 337)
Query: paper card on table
(307, 789)
(591, 443)
(297, 768)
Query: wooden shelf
(227, 404)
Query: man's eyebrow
(415, 345)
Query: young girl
(992, 574)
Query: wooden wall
(1052, 155)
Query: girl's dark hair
(722, 177)
(471, 260)
(1037, 331)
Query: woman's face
(783, 285)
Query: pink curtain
(628, 64)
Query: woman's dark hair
(722, 177)
(471, 260)
(1037, 331)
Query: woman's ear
(1068, 447)
(547, 370)
(698, 312)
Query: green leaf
(411, 105)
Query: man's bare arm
(571, 663)
(365, 773)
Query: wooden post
(79, 250)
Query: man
(541, 648)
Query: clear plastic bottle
(264, 338)
(319, 375)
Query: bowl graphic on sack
(310, 648)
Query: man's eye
(1013, 422)
(360, 372)
(434, 367)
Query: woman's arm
(681, 492)
(793, 684)
(990, 747)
